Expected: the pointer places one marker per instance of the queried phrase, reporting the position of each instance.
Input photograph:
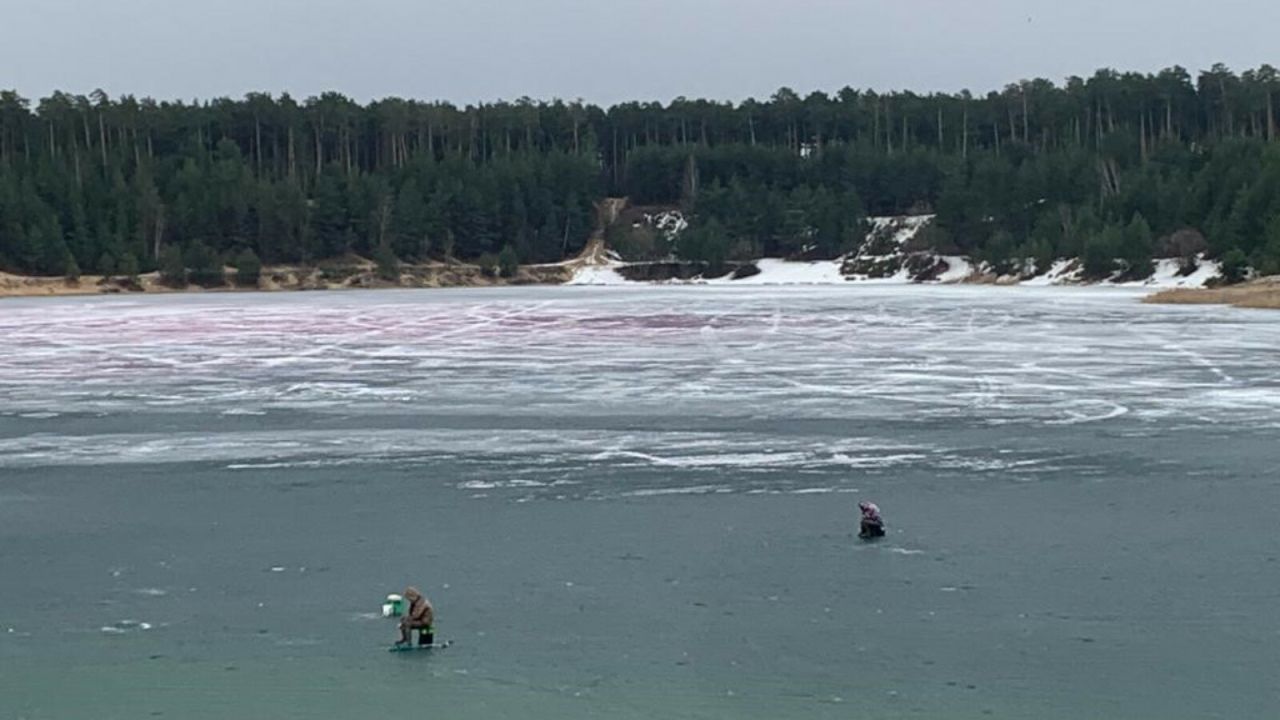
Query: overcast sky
(606, 51)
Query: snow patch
(670, 223)
(1062, 272)
(597, 275)
(959, 269)
(782, 272)
(904, 227)
(883, 259)
(1168, 275)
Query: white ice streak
(537, 452)
(126, 626)
(690, 490)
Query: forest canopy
(1117, 167)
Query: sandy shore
(1261, 293)
(23, 286)
(288, 278)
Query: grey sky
(607, 50)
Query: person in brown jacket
(420, 616)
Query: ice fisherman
(420, 616)
(872, 523)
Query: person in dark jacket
(420, 616)
(872, 524)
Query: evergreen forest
(1115, 168)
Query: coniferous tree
(1235, 266)
(1099, 258)
(508, 262)
(386, 264)
(203, 266)
(173, 270)
(129, 268)
(248, 268)
(1267, 259)
(1136, 248)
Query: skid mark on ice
(1076, 418)
(691, 490)
(1195, 357)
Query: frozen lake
(638, 502)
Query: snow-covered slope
(1168, 275)
(597, 275)
(884, 253)
(781, 272)
(886, 256)
(959, 269)
(1063, 272)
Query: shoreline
(1263, 293)
(1260, 294)
(288, 279)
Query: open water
(640, 502)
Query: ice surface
(685, 459)
(873, 353)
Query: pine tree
(106, 265)
(173, 271)
(203, 266)
(1267, 257)
(248, 268)
(71, 268)
(409, 224)
(508, 262)
(129, 268)
(1235, 266)
(1099, 259)
(387, 264)
(1136, 248)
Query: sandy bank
(1261, 293)
(287, 278)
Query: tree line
(1114, 168)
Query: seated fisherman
(872, 523)
(420, 616)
